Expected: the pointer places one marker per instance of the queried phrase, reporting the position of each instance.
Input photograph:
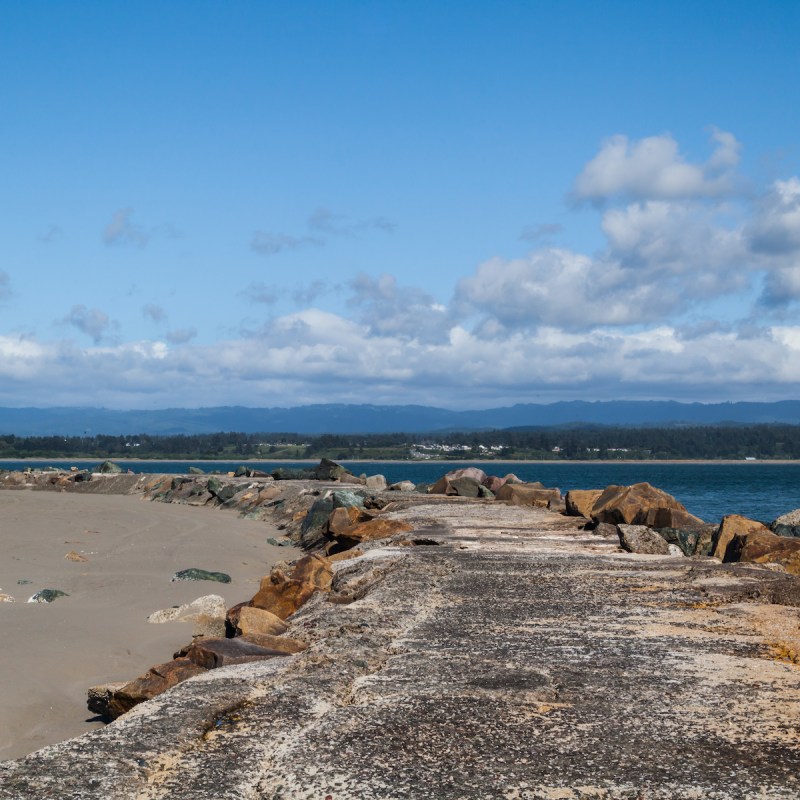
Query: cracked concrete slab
(518, 658)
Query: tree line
(598, 442)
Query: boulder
(527, 494)
(346, 498)
(733, 525)
(403, 486)
(283, 594)
(579, 502)
(451, 482)
(465, 487)
(280, 644)
(343, 518)
(75, 556)
(376, 483)
(154, 682)
(7, 598)
(493, 483)
(328, 470)
(485, 493)
(641, 539)
(787, 524)
(215, 653)
(196, 471)
(379, 528)
(315, 523)
(195, 574)
(250, 621)
(46, 596)
(642, 504)
(211, 605)
(765, 547)
(109, 468)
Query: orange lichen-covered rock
(580, 502)
(379, 528)
(734, 525)
(155, 681)
(765, 547)
(642, 504)
(283, 594)
(524, 494)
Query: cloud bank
(691, 296)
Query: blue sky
(459, 204)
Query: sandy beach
(51, 653)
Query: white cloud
(389, 309)
(653, 168)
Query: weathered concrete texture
(518, 658)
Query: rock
(674, 550)
(377, 483)
(279, 542)
(251, 621)
(493, 483)
(733, 525)
(109, 468)
(205, 626)
(242, 472)
(73, 556)
(557, 506)
(280, 644)
(765, 547)
(485, 493)
(604, 529)
(214, 485)
(100, 696)
(454, 482)
(379, 528)
(642, 504)
(283, 594)
(288, 474)
(345, 498)
(343, 518)
(641, 539)
(328, 470)
(195, 574)
(403, 486)
(7, 598)
(155, 681)
(227, 492)
(215, 653)
(23, 582)
(579, 502)
(209, 605)
(47, 596)
(196, 471)
(465, 487)
(787, 524)
(315, 523)
(527, 494)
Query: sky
(461, 204)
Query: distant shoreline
(465, 461)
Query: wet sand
(51, 653)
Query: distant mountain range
(316, 419)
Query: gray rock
(312, 530)
(641, 539)
(211, 605)
(377, 483)
(109, 468)
(47, 596)
(195, 574)
(345, 498)
(406, 486)
(486, 494)
(787, 524)
(196, 471)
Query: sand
(51, 653)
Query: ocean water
(760, 490)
